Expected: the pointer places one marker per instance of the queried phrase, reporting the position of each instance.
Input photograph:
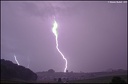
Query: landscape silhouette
(13, 73)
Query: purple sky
(92, 35)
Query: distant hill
(11, 71)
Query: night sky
(91, 35)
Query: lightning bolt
(16, 59)
(54, 30)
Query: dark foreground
(105, 79)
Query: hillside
(13, 72)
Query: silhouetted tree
(66, 71)
(117, 79)
(59, 80)
(71, 71)
(51, 71)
